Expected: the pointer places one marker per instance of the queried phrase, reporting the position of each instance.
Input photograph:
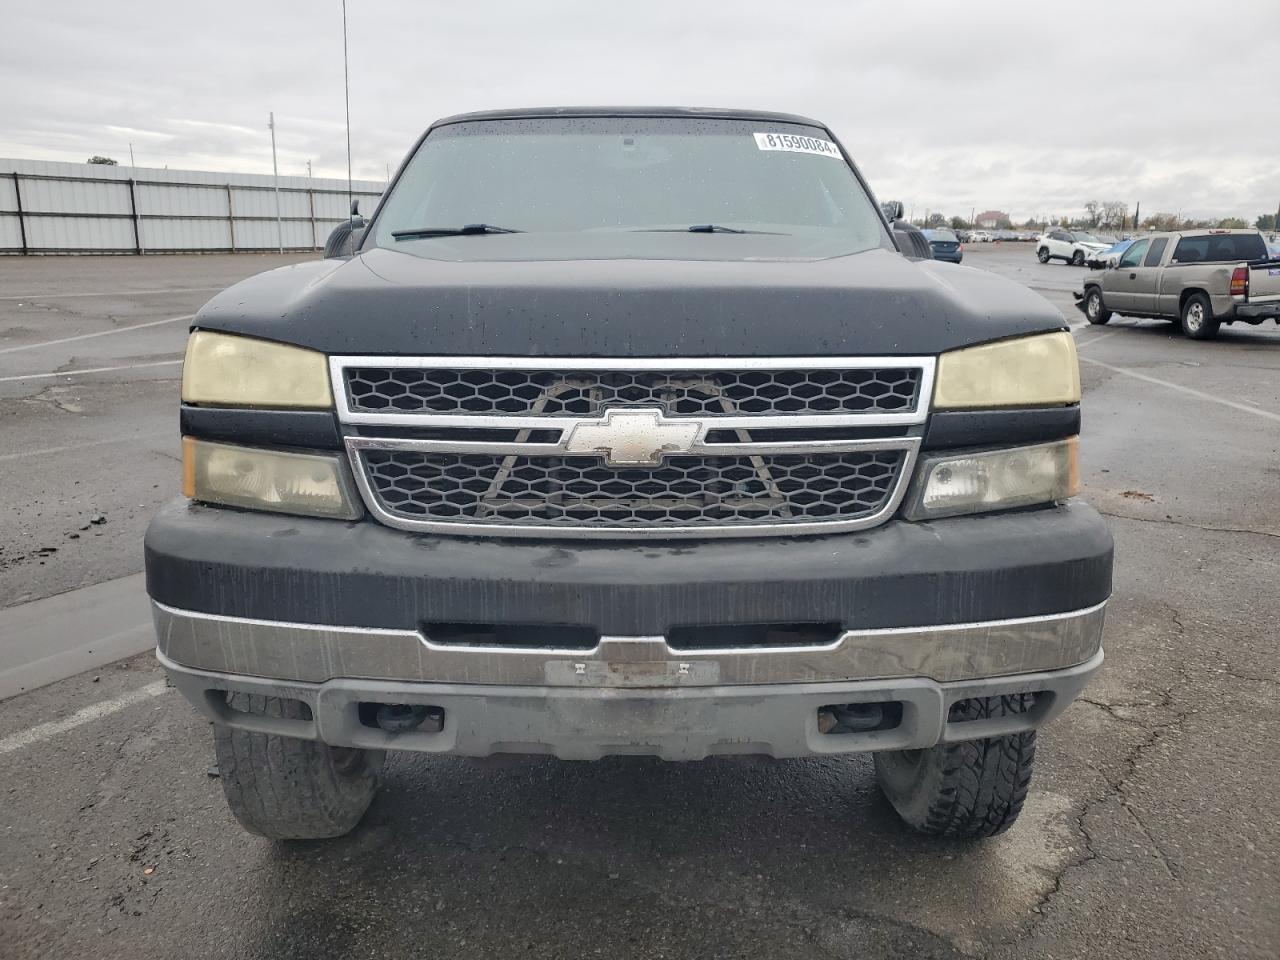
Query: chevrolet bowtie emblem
(633, 436)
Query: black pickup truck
(628, 432)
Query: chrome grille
(695, 491)
(644, 447)
(567, 393)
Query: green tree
(960, 223)
(1232, 223)
(1266, 222)
(935, 220)
(97, 159)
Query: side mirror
(344, 240)
(893, 210)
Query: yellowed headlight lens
(1037, 371)
(314, 485)
(995, 480)
(231, 371)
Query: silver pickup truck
(1200, 279)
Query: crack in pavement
(1117, 787)
(1188, 523)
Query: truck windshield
(1220, 248)
(646, 187)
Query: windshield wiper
(704, 228)
(466, 230)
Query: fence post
(311, 204)
(133, 210)
(22, 226)
(231, 218)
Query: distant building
(991, 219)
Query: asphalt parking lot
(1151, 831)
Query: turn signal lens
(995, 480)
(313, 485)
(1037, 371)
(230, 371)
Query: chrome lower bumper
(311, 653)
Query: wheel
(1197, 318)
(284, 788)
(1043, 254)
(1077, 258)
(970, 789)
(1094, 308)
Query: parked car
(628, 431)
(1102, 259)
(980, 236)
(1072, 247)
(1200, 279)
(946, 245)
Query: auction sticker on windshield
(793, 144)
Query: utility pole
(308, 169)
(131, 163)
(1137, 210)
(275, 173)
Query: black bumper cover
(960, 570)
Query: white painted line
(100, 333)
(34, 297)
(95, 712)
(1101, 336)
(49, 451)
(76, 373)
(1187, 390)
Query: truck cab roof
(697, 113)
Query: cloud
(948, 106)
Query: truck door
(1120, 286)
(1146, 278)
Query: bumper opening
(533, 636)
(746, 635)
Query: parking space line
(48, 451)
(76, 373)
(100, 333)
(96, 711)
(1187, 390)
(110, 293)
(1101, 336)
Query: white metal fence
(50, 207)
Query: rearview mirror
(892, 210)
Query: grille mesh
(685, 491)
(587, 393)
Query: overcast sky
(1032, 108)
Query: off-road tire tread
(285, 788)
(983, 783)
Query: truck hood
(389, 302)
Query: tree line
(1110, 216)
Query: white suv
(1073, 247)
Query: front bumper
(338, 614)
(960, 570)
(674, 723)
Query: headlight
(947, 486)
(231, 371)
(1038, 371)
(316, 485)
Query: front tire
(1094, 309)
(1043, 254)
(1197, 318)
(966, 790)
(284, 788)
(1077, 258)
